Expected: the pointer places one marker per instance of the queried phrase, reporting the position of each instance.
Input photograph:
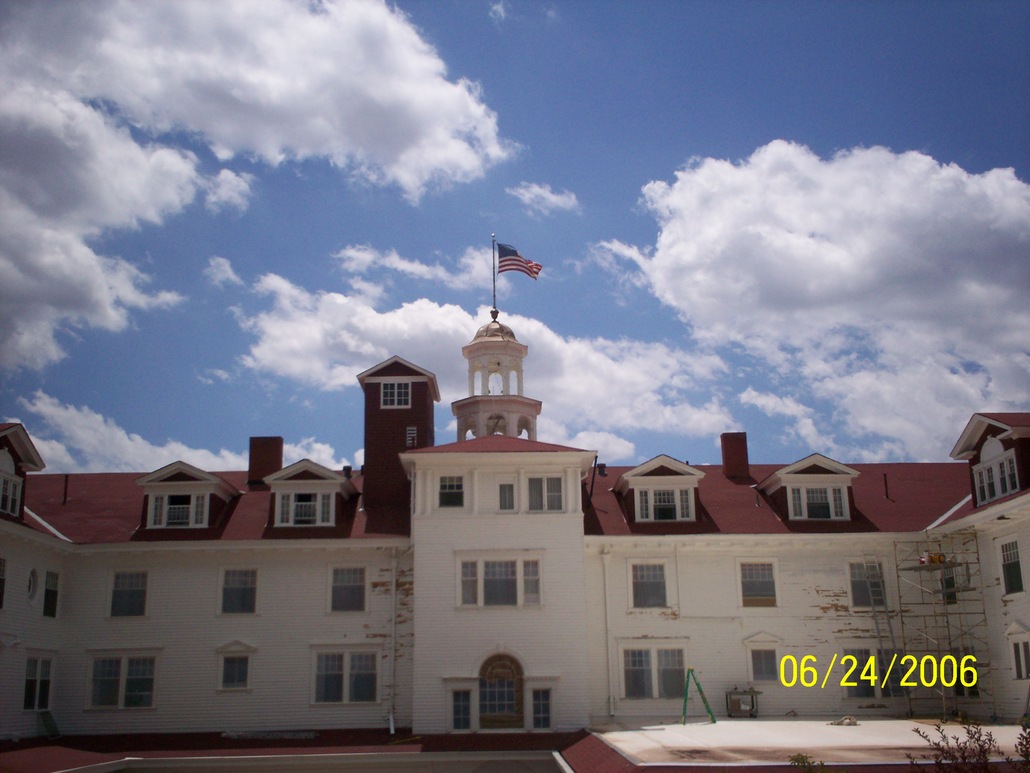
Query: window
(122, 682)
(3, 580)
(178, 510)
(763, 665)
(235, 672)
(996, 476)
(461, 710)
(396, 394)
(506, 496)
(37, 684)
(1011, 574)
(500, 583)
(10, 490)
(129, 595)
(500, 693)
(346, 677)
(862, 688)
(452, 493)
(665, 504)
(306, 509)
(867, 587)
(757, 585)
(348, 594)
(239, 591)
(1021, 656)
(818, 503)
(541, 709)
(50, 595)
(648, 585)
(545, 494)
(643, 668)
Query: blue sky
(806, 220)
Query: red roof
(896, 497)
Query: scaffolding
(943, 620)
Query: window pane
(31, 675)
(362, 677)
(329, 678)
(304, 509)
(129, 597)
(554, 494)
(469, 583)
(348, 589)
(239, 593)
(461, 709)
(530, 583)
(758, 588)
(452, 491)
(541, 709)
(1012, 575)
(818, 502)
(139, 682)
(499, 583)
(50, 595)
(648, 585)
(234, 672)
(763, 665)
(671, 674)
(106, 677)
(178, 512)
(637, 673)
(506, 495)
(536, 493)
(664, 505)
(865, 588)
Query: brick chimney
(735, 465)
(266, 457)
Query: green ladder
(700, 691)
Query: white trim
(45, 525)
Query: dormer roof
(661, 469)
(399, 367)
(1012, 425)
(183, 473)
(27, 455)
(813, 464)
(306, 470)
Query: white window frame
(1004, 552)
(771, 563)
(645, 499)
(524, 581)
(764, 647)
(653, 647)
(364, 585)
(399, 394)
(324, 507)
(851, 585)
(51, 593)
(456, 485)
(836, 498)
(630, 599)
(1021, 657)
(512, 485)
(43, 671)
(997, 475)
(222, 663)
(125, 573)
(347, 654)
(197, 516)
(550, 501)
(222, 588)
(10, 486)
(124, 658)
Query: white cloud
(78, 439)
(472, 269)
(325, 339)
(228, 190)
(498, 12)
(541, 200)
(348, 81)
(887, 284)
(219, 272)
(351, 81)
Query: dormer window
(396, 394)
(662, 489)
(10, 485)
(996, 475)
(181, 496)
(178, 510)
(816, 488)
(306, 494)
(818, 503)
(306, 509)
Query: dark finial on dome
(493, 314)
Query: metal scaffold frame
(942, 613)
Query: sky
(808, 221)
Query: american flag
(508, 259)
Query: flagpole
(493, 264)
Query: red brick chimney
(266, 457)
(735, 465)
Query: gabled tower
(492, 408)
